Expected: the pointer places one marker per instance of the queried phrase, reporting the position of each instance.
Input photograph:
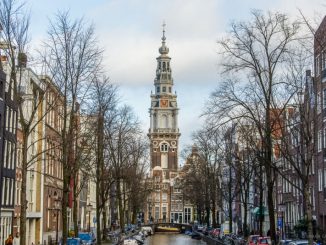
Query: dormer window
(164, 147)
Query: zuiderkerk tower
(164, 136)
(164, 132)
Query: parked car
(299, 242)
(207, 230)
(200, 228)
(86, 238)
(263, 240)
(215, 232)
(252, 240)
(284, 242)
(74, 241)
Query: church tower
(164, 132)
(164, 137)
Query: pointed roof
(163, 49)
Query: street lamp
(89, 210)
(56, 207)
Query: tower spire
(164, 50)
(163, 37)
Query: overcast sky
(130, 32)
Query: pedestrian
(17, 239)
(9, 240)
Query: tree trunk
(100, 205)
(214, 213)
(207, 216)
(75, 212)
(104, 221)
(245, 210)
(270, 200)
(261, 198)
(308, 213)
(65, 199)
(23, 195)
(230, 199)
(98, 215)
(134, 215)
(121, 211)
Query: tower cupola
(164, 50)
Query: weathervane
(163, 38)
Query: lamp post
(56, 207)
(89, 210)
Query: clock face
(164, 103)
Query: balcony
(165, 130)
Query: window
(319, 146)
(324, 177)
(320, 180)
(319, 105)
(164, 147)
(164, 197)
(187, 215)
(323, 60)
(157, 213)
(170, 89)
(324, 98)
(158, 89)
(157, 197)
(317, 65)
(324, 138)
(164, 89)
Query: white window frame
(319, 143)
(317, 64)
(320, 180)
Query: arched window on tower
(164, 68)
(164, 147)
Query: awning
(258, 211)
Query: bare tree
(72, 57)
(256, 51)
(103, 102)
(121, 129)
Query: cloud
(130, 32)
